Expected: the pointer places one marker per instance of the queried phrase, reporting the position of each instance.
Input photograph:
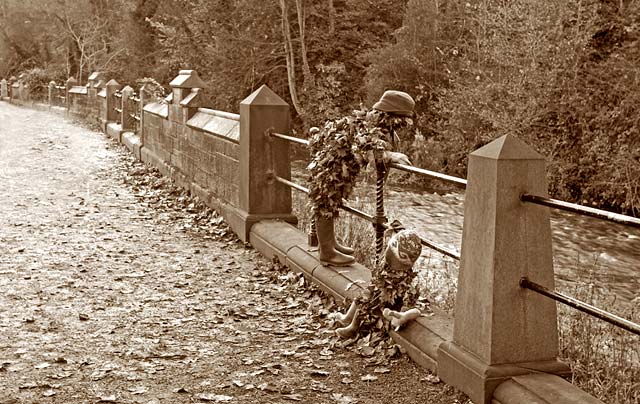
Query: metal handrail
(583, 210)
(581, 306)
(460, 182)
(289, 138)
(372, 219)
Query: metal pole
(582, 306)
(583, 210)
(380, 217)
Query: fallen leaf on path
(342, 399)
(138, 390)
(431, 379)
(218, 398)
(369, 378)
(293, 397)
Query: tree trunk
(332, 17)
(309, 80)
(291, 66)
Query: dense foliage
(563, 76)
(342, 148)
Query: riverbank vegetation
(563, 76)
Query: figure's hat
(395, 102)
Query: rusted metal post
(380, 216)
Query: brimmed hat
(395, 102)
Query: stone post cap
(508, 147)
(128, 89)
(263, 96)
(3, 81)
(194, 99)
(52, 83)
(187, 79)
(113, 84)
(95, 76)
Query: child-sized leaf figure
(391, 294)
(340, 150)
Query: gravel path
(117, 288)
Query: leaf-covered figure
(391, 294)
(339, 152)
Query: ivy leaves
(339, 151)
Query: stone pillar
(52, 88)
(143, 100)
(71, 81)
(500, 329)
(260, 156)
(110, 114)
(4, 92)
(127, 110)
(187, 90)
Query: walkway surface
(117, 288)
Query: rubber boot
(346, 318)
(339, 247)
(351, 330)
(326, 244)
(343, 248)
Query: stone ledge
(114, 130)
(540, 389)
(133, 143)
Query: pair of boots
(330, 251)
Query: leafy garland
(341, 149)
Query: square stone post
(502, 330)
(187, 90)
(261, 197)
(4, 92)
(143, 100)
(110, 114)
(127, 110)
(71, 81)
(52, 88)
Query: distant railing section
(380, 223)
(127, 106)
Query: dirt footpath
(117, 288)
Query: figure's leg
(345, 319)
(339, 247)
(400, 318)
(351, 330)
(329, 255)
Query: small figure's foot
(351, 330)
(399, 318)
(345, 319)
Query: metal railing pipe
(289, 138)
(460, 182)
(583, 210)
(581, 306)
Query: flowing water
(585, 250)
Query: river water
(585, 250)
